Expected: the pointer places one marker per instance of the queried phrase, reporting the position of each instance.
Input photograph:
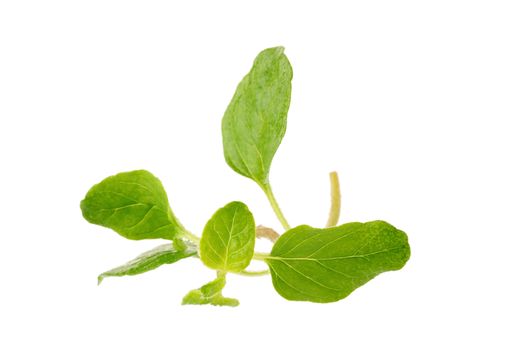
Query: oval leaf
(150, 260)
(255, 121)
(326, 265)
(228, 238)
(134, 204)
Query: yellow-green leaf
(228, 238)
(210, 293)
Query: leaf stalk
(260, 256)
(335, 208)
(191, 237)
(253, 273)
(275, 206)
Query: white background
(418, 104)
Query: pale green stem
(335, 209)
(260, 256)
(185, 233)
(253, 273)
(190, 236)
(275, 206)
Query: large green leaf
(326, 265)
(228, 238)
(134, 204)
(255, 121)
(210, 293)
(150, 260)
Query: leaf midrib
(272, 257)
(230, 232)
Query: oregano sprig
(306, 264)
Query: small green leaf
(134, 204)
(255, 121)
(210, 293)
(228, 238)
(326, 265)
(219, 300)
(150, 260)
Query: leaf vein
(143, 218)
(310, 278)
(289, 285)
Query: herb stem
(335, 208)
(253, 273)
(260, 256)
(266, 232)
(185, 233)
(190, 236)
(275, 206)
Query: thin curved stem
(275, 206)
(335, 208)
(266, 232)
(253, 273)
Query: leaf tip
(279, 49)
(223, 301)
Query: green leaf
(255, 121)
(210, 293)
(326, 265)
(228, 238)
(150, 260)
(134, 204)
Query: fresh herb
(150, 260)
(134, 204)
(228, 239)
(325, 265)
(308, 264)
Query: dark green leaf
(326, 265)
(134, 204)
(255, 121)
(228, 238)
(150, 260)
(210, 293)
